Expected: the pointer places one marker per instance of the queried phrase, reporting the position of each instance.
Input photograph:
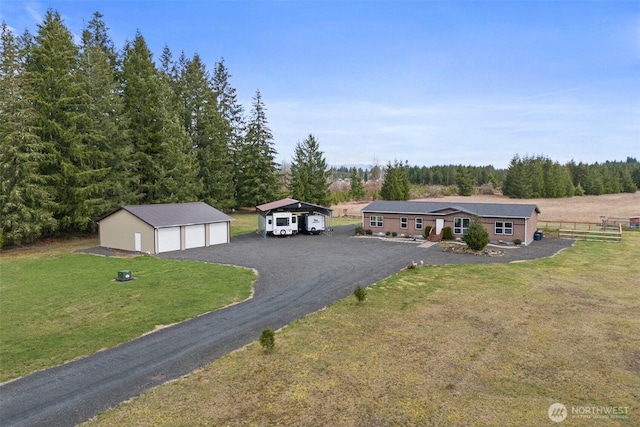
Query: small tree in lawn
(360, 293)
(476, 236)
(268, 340)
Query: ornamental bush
(447, 233)
(476, 236)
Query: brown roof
(174, 214)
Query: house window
(504, 228)
(404, 222)
(376, 221)
(460, 225)
(418, 223)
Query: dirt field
(578, 209)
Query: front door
(439, 225)
(138, 242)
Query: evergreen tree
(104, 127)
(357, 186)
(141, 99)
(205, 126)
(476, 237)
(165, 164)
(177, 164)
(26, 204)
(464, 181)
(258, 180)
(309, 173)
(396, 184)
(233, 123)
(59, 98)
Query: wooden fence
(594, 232)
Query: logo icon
(557, 412)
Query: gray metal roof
(292, 205)
(174, 214)
(494, 210)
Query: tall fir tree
(258, 180)
(59, 98)
(165, 164)
(26, 204)
(206, 128)
(309, 173)
(396, 184)
(104, 129)
(141, 97)
(178, 170)
(464, 181)
(357, 186)
(233, 125)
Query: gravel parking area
(287, 261)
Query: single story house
(505, 222)
(297, 210)
(166, 227)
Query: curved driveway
(297, 276)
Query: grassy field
(57, 306)
(470, 345)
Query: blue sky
(431, 82)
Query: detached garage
(164, 227)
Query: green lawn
(60, 307)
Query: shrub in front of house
(394, 234)
(368, 232)
(476, 237)
(517, 242)
(359, 231)
(447, 233)
(427, 231)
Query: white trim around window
(460, 225)
(419, 223)
(376, 221)
(504, 228)
(404, 222)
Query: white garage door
(194, 236)
(168, 239)
(218, 233)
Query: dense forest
(85, 128)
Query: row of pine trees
(85, 128)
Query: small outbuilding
(164, 227)
(287, 217)
(505, 222)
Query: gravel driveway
(297, 276)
